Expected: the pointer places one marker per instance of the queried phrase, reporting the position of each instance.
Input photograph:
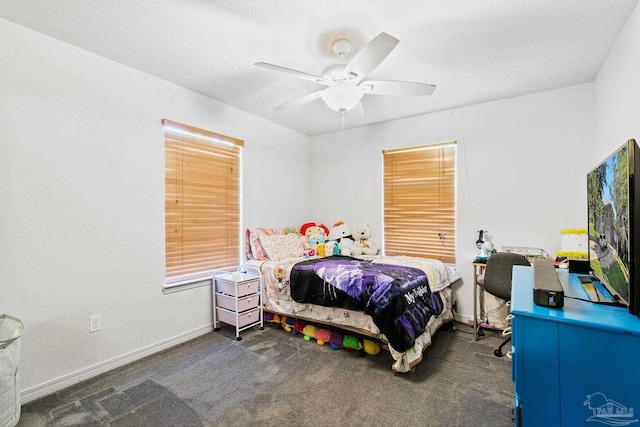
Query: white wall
(617, 93)
(82, 196)
(521, 173)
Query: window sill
(171, 288)
(196, 282)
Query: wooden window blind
(419, 201)
(202, 201)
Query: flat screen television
(613, 199)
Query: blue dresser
(574, 366)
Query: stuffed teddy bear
(341, 234)
(363, 243)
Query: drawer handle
(249, 300)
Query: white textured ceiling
(474, 51)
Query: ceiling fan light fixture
(342, 47)
(342, 98)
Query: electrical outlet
(94, 323)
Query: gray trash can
(10, 332)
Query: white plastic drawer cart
(237, 301)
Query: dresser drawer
(237, 289)
(246, 318)
(244, 303)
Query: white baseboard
(57, 384)
(462, 318)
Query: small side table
(237, 301)
(478, 269)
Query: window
(202, 202)
(419, 201)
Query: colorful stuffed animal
(313, 234)
(351, 343)
(298, 326)
(341, 234)
(287, 323)
(331, 248)
(336, 340)
(269, 317)
(307, 250)
(371, 347)
(322, 336)
(314, 229)
(309, 332)
(363, 243)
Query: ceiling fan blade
(392, 87)
(300, 101)
(295, 73)
(370, 56)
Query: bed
(400, 301)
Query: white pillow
(278, 247)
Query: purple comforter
(398, 298)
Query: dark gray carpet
(273, 378)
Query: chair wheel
(497, 352)
(239, 339)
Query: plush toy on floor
(351, 343)
(309, 332)
(298, 326)
(336, 340)
(371, 347)
(363, 243)
(322, 336)
(287, 323)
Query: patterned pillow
(247, 244)
(278, 247)
(253, 236)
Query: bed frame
(276, 299)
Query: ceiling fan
(345, 82)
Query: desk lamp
(486, 248)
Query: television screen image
(610, 193)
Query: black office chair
(497, 281)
